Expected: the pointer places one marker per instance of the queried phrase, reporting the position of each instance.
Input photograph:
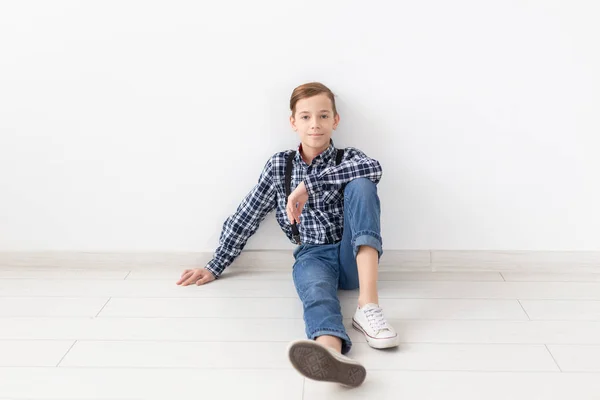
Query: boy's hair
(309, 90)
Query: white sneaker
(370, 321)
(319, 362)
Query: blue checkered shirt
(322, 218)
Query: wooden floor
(134, 334)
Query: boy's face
(314, 121)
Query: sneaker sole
(316, 362)
(376, 343)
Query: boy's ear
(336, 121)
(293, 122)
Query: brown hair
(309, 90)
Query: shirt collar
(324, 157)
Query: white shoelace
(376, 319)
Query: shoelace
(376, 319)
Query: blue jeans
(320, 270)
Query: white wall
(116, 118)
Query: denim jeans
(320, 270)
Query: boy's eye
(324, 116)
(305, 117)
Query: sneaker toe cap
(385, 334)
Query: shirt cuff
(212, 270)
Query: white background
(140, 125)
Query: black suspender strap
(288, 189)
(289, 165)
(338, 157)
(338, 160)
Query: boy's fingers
(298, 212)
(197, 276)
(184, 276)
(192, 279)
(293, 211)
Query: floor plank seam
(551, 355)
(103, 307)
(523, 308)
(63, 357)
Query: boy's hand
(199, 276)
(296, 202)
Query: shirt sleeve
(355, 164)
(241, 225)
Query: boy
(333, 215)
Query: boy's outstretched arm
(355, 164)
(237, 229)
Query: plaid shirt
(322, 218)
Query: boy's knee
(317, 291)
(309, 275)
(363, 186)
